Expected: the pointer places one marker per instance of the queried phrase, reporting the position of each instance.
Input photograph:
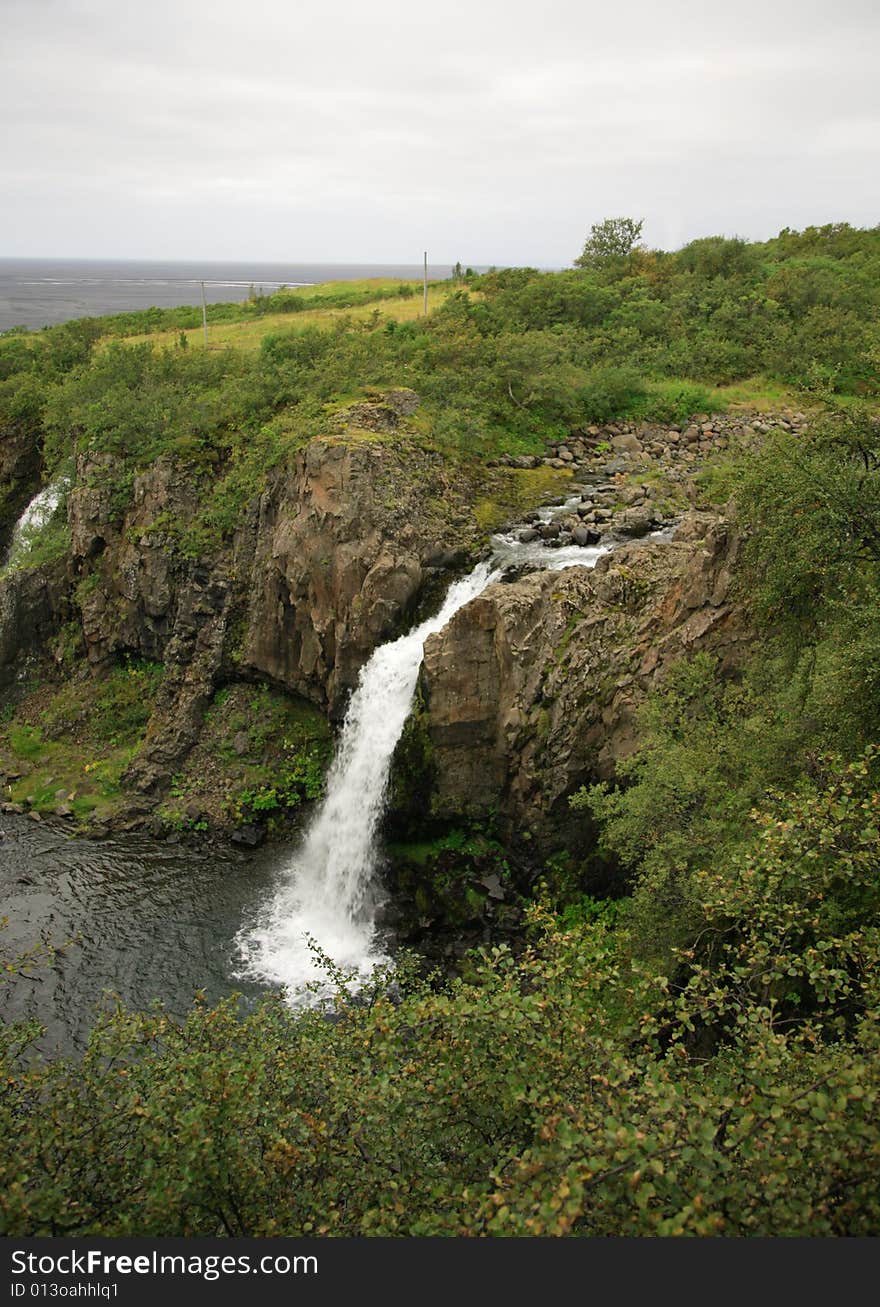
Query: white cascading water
(328, 894)
(38, 514)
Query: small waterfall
(328, 893)
(38, 514)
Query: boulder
(626, 444)
(634, 521)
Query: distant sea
(42, 292)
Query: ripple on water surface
(153, 921)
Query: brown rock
(33, 604)
(534, 688)
(626, 444)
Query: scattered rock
(250, 835)
(493, 886)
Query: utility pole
(204, 314)
(425, 287)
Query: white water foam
(537, 556)
(328, 893)
(38, 514)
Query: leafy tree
(717, 256)
(613, 238)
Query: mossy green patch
(69, 747)
(516, 491)
(262, 754)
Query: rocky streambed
(676, 447)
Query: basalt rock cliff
(330, 558)
(19, 477)
(534, 687)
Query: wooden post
(425, 287)
(204, 314)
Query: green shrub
(676, 404)
(611, 393)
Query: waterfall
(38, 514)
(328, 893)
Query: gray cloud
(486, 131)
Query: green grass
(62, 774)
(26, 742)
(756, 393)
(365, 288)
(73, 745)
(344, 301)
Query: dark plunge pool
(151, 921)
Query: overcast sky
(491, 131)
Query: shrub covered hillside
(698, 1054)
(508, 361)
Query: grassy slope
(67, 747)
(248, 334)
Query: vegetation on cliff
(513, 359)
(712, 748)
(698, 1055)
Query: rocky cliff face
(534, 687)
(19, 477)
(530, 690)
(33, 605)
(343, 548)
(329, 561)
